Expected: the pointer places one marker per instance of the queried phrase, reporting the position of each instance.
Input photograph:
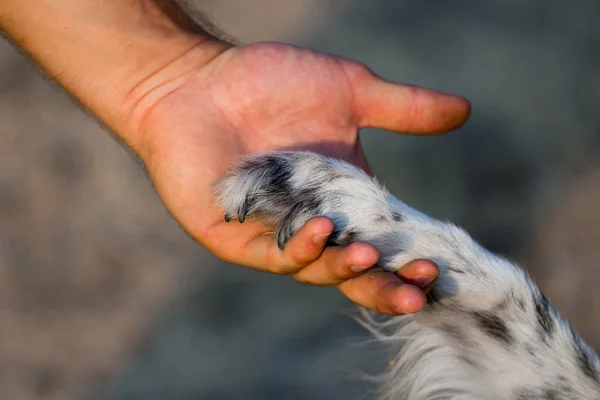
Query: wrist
(116, 57)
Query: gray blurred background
(102, 296)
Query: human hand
(271, 96)
(190, 105)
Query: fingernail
(404, 310)
(322, 238)
(422, 281)
(359, 268)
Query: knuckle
(301, 279)
(358, 69)
(336, 273)
(300, 256)
(341, 271)
(284, 267)
(280, 269)
(295, 258)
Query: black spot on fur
(306, 206)
(326, 170)
(584, 362)
(552, 394)
(310, 202)
(432, 297)
(277, 173)
(397, 216)
(521, 304)
(529, 349)
(472, 362)
(333, 239)
(274, 185)
(544, 315)
(513, 299)
(505, 303)
(523, 394)
(381, 218)
(350, 237)
(539, 394)
(564, 388)
(494, 327)
(456, 334)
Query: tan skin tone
(209, 103)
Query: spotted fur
(487, 331)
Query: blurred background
(102, 296)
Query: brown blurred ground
(103, 296)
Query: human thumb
(402, 108)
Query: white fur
(487, 332)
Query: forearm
(117, 57)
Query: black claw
(285, 231)
(243, 212)
(282, 238)
(227, 217)
(281, 243)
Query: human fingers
(420, 273)
(338, 264)
(304, 247)
(383, 292)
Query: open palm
(270, 96)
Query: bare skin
(190, 105)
